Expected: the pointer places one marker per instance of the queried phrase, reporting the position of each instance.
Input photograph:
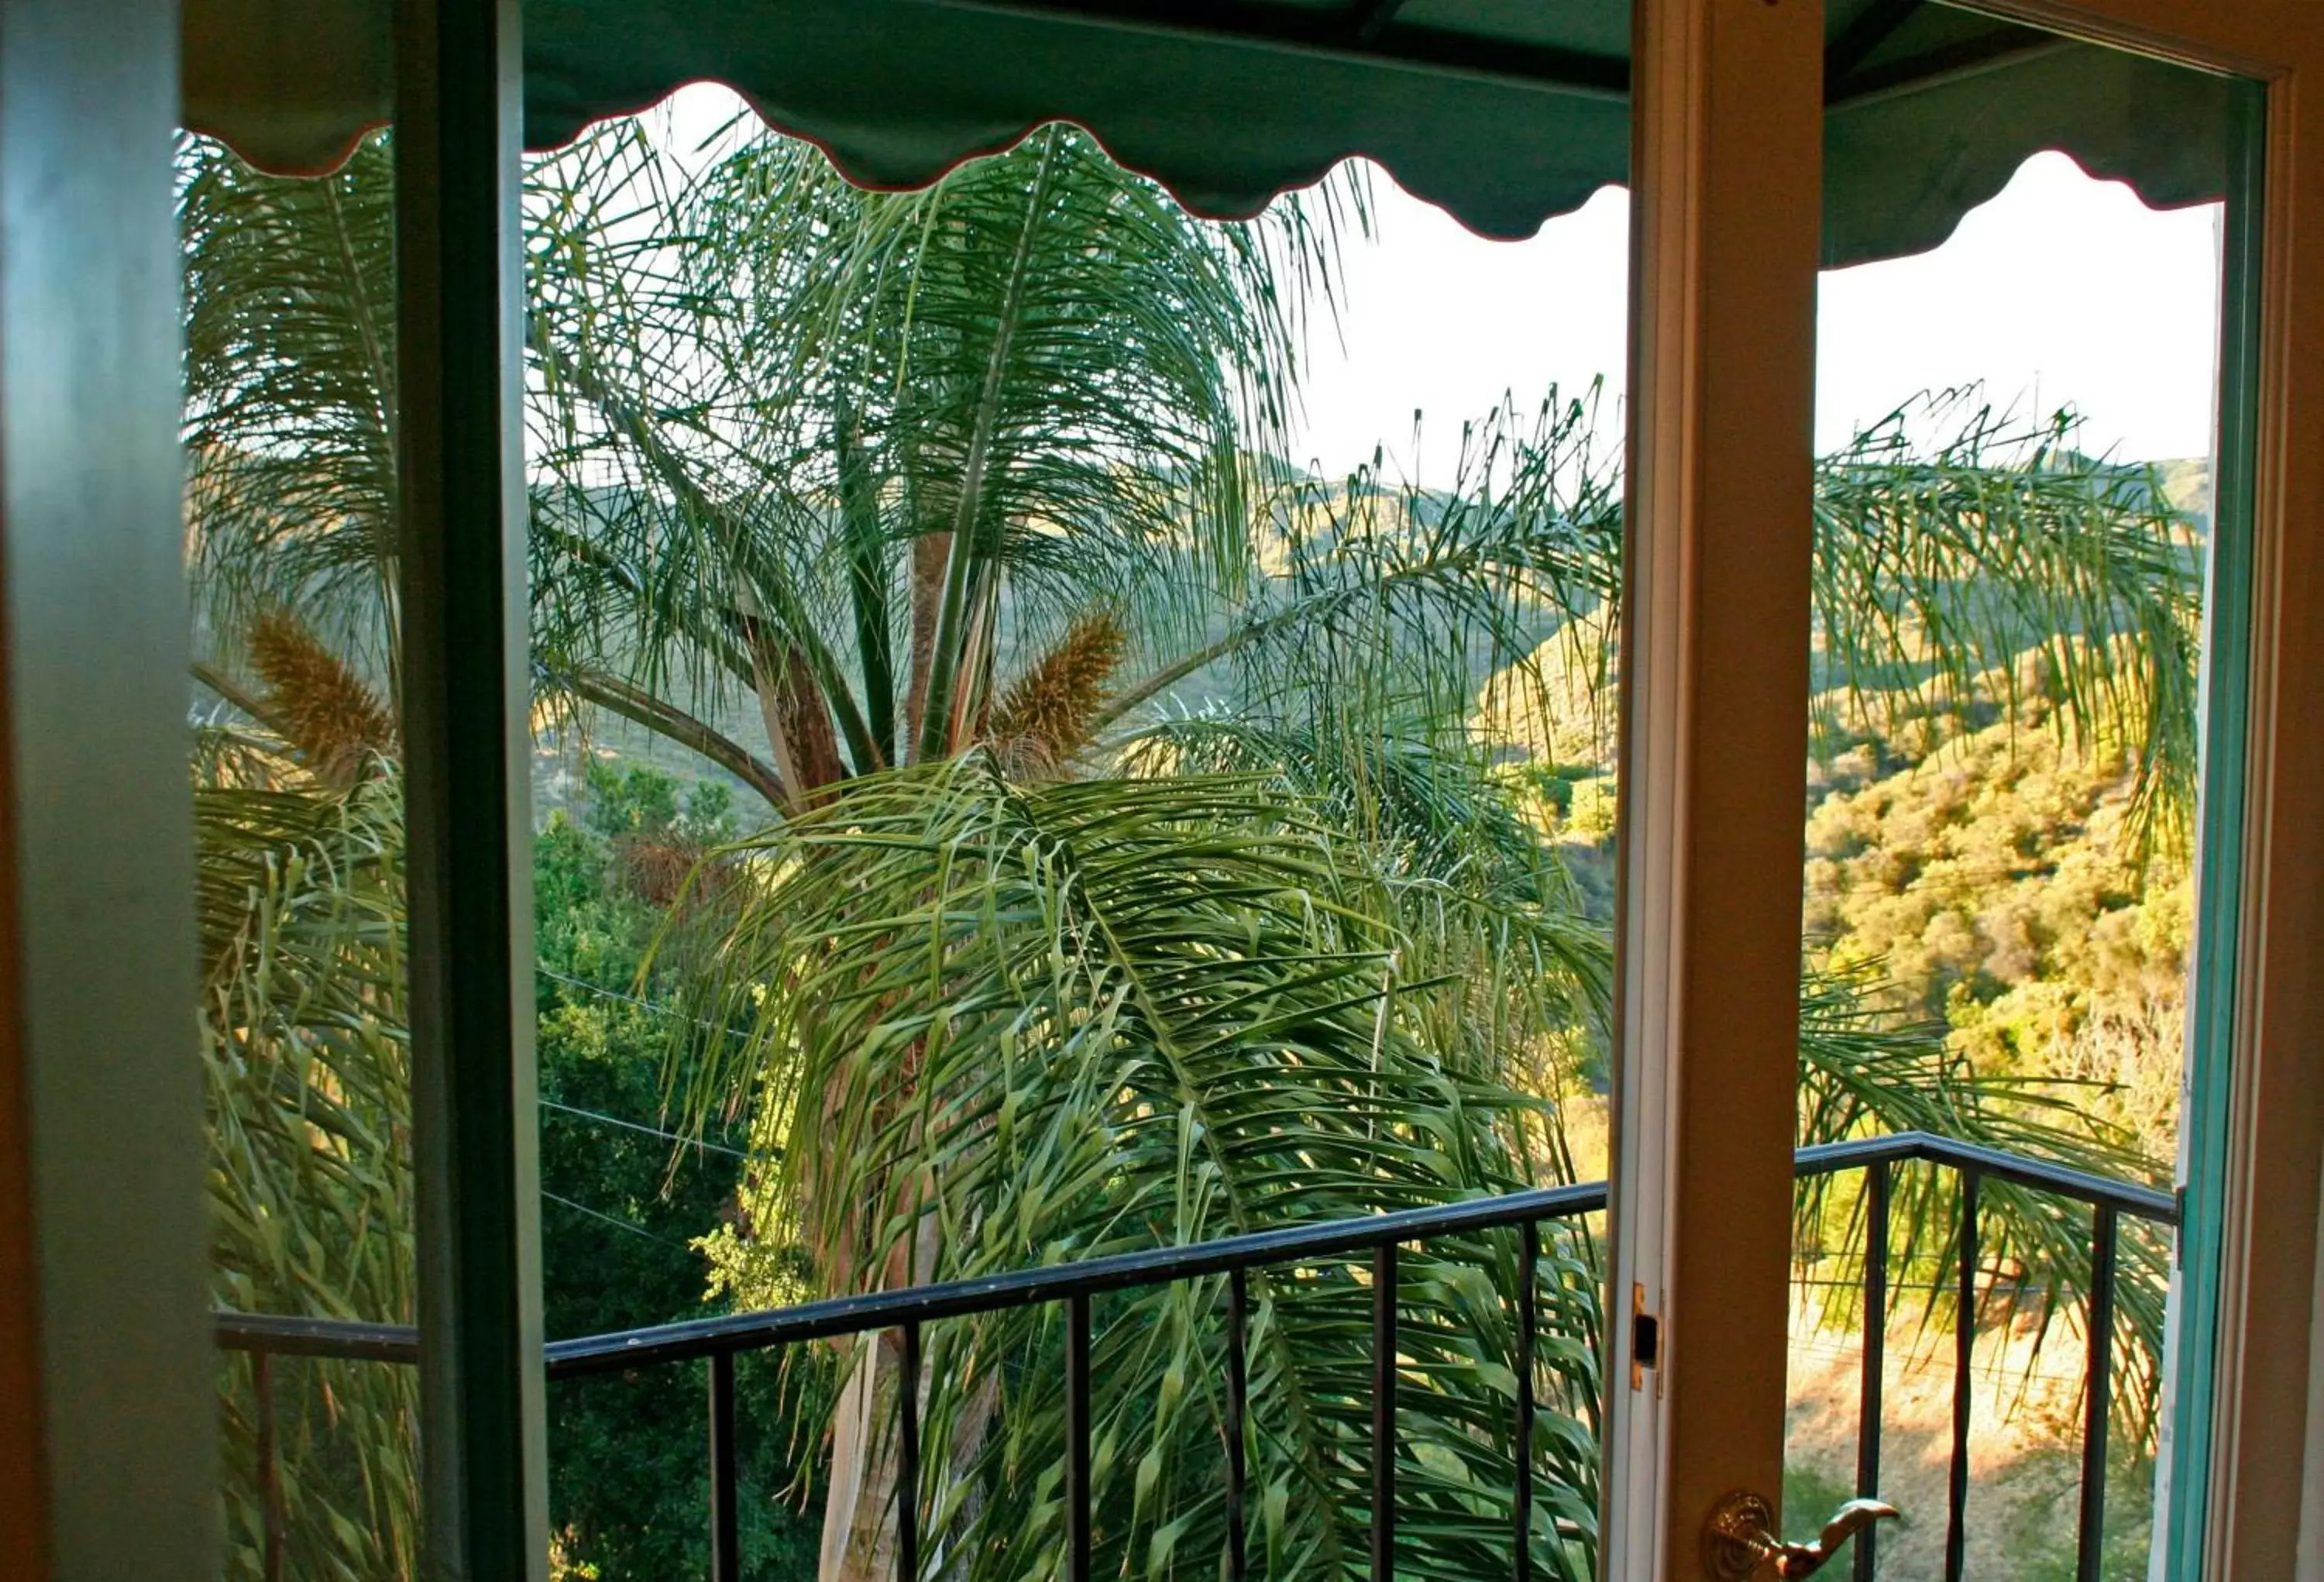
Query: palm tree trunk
(792, 706)
(799, 724)
(931, 552)
(859, 1508)
(859, 1516)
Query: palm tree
(846, 455)
(1135, 866)
(1024, 1025)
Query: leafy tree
(625, 1201)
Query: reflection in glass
(291, 551)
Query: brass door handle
(1739, 1538)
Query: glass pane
(291, 545)
(2013, 524)
(1040, 756)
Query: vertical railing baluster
(725, 1523)
(2098, 1394)
(1384, 1412)
(270, 1462)
(1528, 1259)
(908, 1479)
(1077, 1438)
(1237, 1390)
(1868, 1412)
(1964, 1384)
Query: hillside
(1998, 884)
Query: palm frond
(1390, 606)
(1861, 1073)
(1940, 565)
(1055, 1022)
(1993, 557)
(306, 1072)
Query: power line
(618, 1224)
(550, 1104)
(656, 1007)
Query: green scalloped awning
(1504, 112)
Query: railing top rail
(1995, 1165)
(834, 1316)
(344, 1338)
(736, 1332)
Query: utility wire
(550, 1104)
(618, 1224)
(658, 1009)
(602, 1119)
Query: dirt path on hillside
(2025, 1449)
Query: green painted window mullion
(2220, 869)
(467, 785)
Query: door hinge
(1646, 1339)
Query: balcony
(1355, 1258)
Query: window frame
(71, 525)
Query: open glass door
(2023, 566)
(2014, 897)
(942, 591)
(352, 527)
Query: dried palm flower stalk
(331, 719)
(1043, 718)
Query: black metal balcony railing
(721, 1339)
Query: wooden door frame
(1727, 190)
(1723, 225)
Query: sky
(2062, 290)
